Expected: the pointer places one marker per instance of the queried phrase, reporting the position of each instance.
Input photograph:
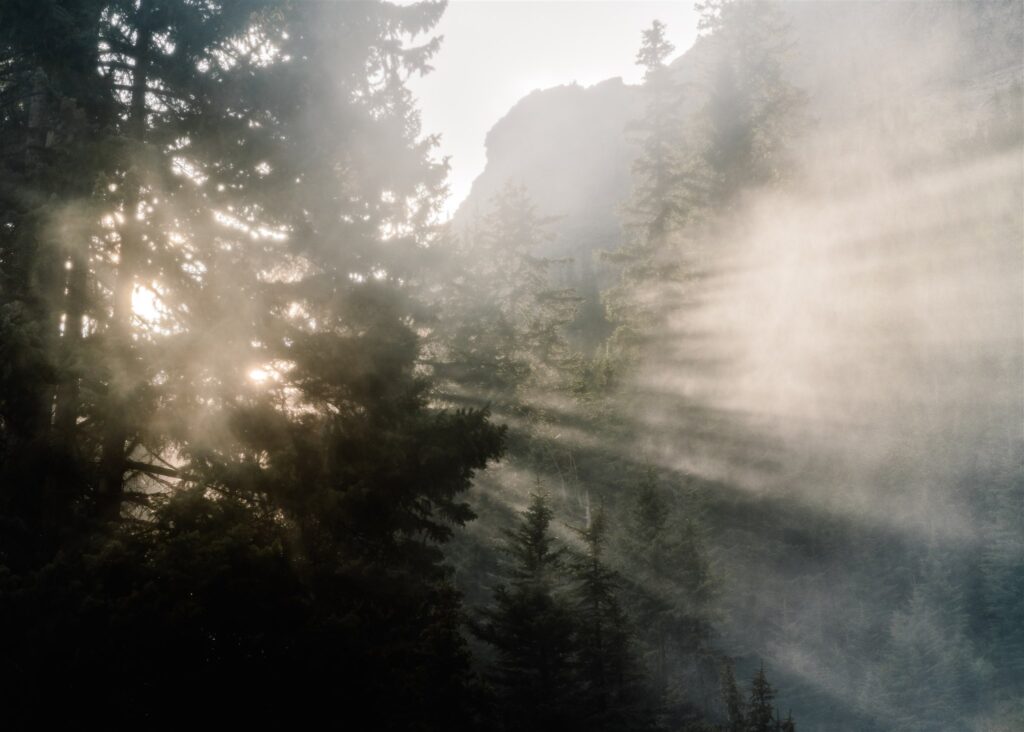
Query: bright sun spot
(145, 304)
(259, 375)
(272, 371)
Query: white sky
(496, 52)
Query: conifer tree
(693, 166)
(653, 210)
(167, 65)
(605, 664)
(339, 436)
(531, 628)
(735, 712)
(504, 324)
(761, 705)
(758, 713)
(671, 577)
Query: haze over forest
(703, 412)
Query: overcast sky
(494, 53)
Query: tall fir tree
(531, 628)
(672, 593)
(761, 705)
(653, 211)
(732, 700)
(611, 684)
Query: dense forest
(707, 419)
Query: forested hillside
(705, 413)
(831, 360)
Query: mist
(842, 356)
(701, 407)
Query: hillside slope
(862, 424)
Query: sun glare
(146, 305)
(259, 376)
(269, 372)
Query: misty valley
(697, 407)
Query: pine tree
(339, 436)
(118, 218)
(758, 713)
(610, 683)
(653, 211)
(653, 200)
(761, 705)
(531, 628)
(672, 591)
(166, 65)
(735, 711)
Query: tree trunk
(67, 410)
(40, 270)
(113, 460)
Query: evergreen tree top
(530, 544)
(655, 49)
